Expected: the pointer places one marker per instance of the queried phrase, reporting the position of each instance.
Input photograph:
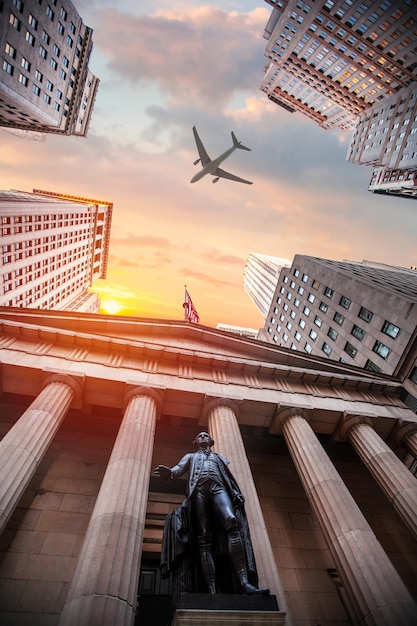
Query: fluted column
(224, 429)
(377, 592)
(23, 447)
(397, 482)
(104, 587)
(407, 436)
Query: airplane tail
(238, 144)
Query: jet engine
(196, 162)
(215, 180)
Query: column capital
(403, 430)
(74, 380)
(283, 414)
(211, 402)
(349, 420)
(133, 390)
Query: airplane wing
(224, 174)
(205, 159)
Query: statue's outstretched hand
(163, 472)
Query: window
(345, 302)
(358, 332)
(38, 75)
(306, 310)
(36, 90)
(33, 21)
(300, 290)
(297, 336)
(326, 348)
(339, 318)
(311, 298)
(316, 284)
(390, 329)
(61, 28)
(304, 278)
(296, 273)
(365, 314)
(302, 324)
(332, 333)
(313, 334)
(318, 321)
(328, 292)
(14, 21)
(323, 307)
(57, 51)
(381, 349)
(370, 365)
(350, 350)
(10, 51)
(308, 348)
(30, 38)
(23, 80)
(8, 68)
(43, 52)
(50, 13)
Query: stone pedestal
(227, 610)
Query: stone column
(377, 592)
(23, 447)
(104, 588)
(406, 436)
(397, 482)
(224, 429)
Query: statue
(206, 542)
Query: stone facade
(90, 404)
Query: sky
(165, 66)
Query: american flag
(190, 313)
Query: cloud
(191, 55)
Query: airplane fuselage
(213, 165)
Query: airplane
(211, 166)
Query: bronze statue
(211, 524)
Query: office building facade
(46, 85)
(318, 448)
(260, 277)
(53, 246)
(363, 314)
(350, 65)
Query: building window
(30, 38)
(296, 302)
(8, 68)
(339, 318)
(43, 52)
(316, 284)
(381, 349)
(312, 334)
(358, 332)
(36, 90)
(332, 333)
(345, 302)
(304, 278)
(38, 76)
(365, 314)
(302, 324)
(300, 290)
(306, 310)
(308, 348)
(323, 307)
(318, 321)
(370, 365)
(326, 348)
(350, 350)
(390, 329)
(10, 50)
(296, 273)
(14, 21)
(61, 28)
(33, 21)
(297, 336)
(50, 13)
(311, 298)
(328, 292)
(23, 80)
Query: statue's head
(203, 440)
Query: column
(374, 586)
(407, 436)
(224, 429)
(23, 447)
(397, 482)
(104, 588)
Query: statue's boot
(239, 564)
(208, 569)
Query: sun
(112, 307)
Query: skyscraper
(362, 314)
(52, 248)
(350, 65)
(260, 278)
(45, 85)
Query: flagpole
(185, 300)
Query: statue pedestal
(200, 609)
